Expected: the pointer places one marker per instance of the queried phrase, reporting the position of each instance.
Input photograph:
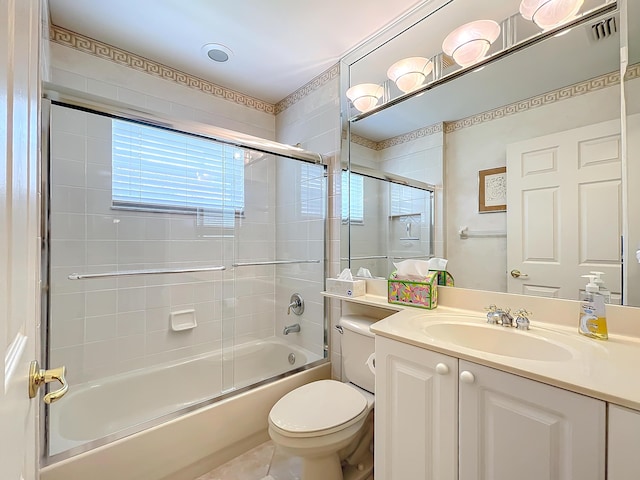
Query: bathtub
(137, 411)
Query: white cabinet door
(515, 428)
(416, 413)
(624, 444)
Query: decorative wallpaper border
(591, 85)
(632, 72)
(357, 139)
(105, 51)
(325, 77)
(411, 136)
(399, 140)
(577, 89)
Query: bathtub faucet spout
(291, 329)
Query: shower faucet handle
(296, 304)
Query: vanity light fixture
(469, 43)
(365, 96)
(548, 14)
(410, 73)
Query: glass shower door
(138, 241)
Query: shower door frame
(61, 96)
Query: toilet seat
(318, 408)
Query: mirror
(632, 142)
(399, 211)
(550, 100)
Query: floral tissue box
(421, 293)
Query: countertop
(608, 370)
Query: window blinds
(353, 204)
(161, 170)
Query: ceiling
(277, 46)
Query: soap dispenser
(601, 286)
(593, 321)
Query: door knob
(38, 377)
(518, 274)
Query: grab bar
(273, 262)
(123, 273)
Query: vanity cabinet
(416, 413)
(512, 427)
(623, 444)
(441, 418)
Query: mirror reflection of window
(354, 184)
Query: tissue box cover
(444, 278)
(347, 288)
(422, 294)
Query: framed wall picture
(492, 194)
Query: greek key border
(591, 85)
(105, 51)
(577, 89)
(325, 77)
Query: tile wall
(311, 120)
(105, 326)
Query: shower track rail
(157, 271)
(273, 262)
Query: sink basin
(498, 340)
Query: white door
(516, 428)
(565, 211)
(416, 413)
(19, 243)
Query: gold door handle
(518, 274)
(37, 377)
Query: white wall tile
(100, 328)
(140, 313)
(131, 323)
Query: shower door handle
(38, 377)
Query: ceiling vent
(604, 29)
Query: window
(352, 198)
(165, 171)
(312, 198)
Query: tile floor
(263, 462)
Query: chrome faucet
(500, 316)
(295, 328)
(493, 315)
(507, 319)
(296, 305)
(522, 319)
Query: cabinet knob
(467, 377)
(442, 369)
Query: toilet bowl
(329, 424)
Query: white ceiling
(278, 45)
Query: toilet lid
(317, 406)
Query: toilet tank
(358, 345)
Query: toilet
(329, 424)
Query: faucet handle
(522, 320)
(493, 315)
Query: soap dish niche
(183, 320)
